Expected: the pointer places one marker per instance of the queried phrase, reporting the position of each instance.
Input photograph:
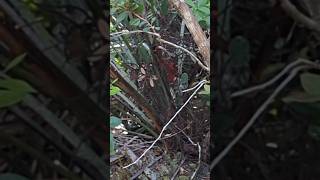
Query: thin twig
(199, 162)
(117, 34)
(178, 168)
(187, 51)
(190, 89)
(293, 12)
(273, 80)
(144, 168)
(164, 128)
(152, 27)
(257, 114)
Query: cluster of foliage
(13, 91)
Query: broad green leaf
(205, 10)
(134, 22)
(114, 121)
(9, 98)
(11, 176)
(204, 3)
(15, 62)
(310, 83)
(16, 85)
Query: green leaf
(114, 121)
(139, 8)
(205, 10)
(16, 85)
(9, 98)
(206, 90)
(164, 7)
(190, 3)
(310, 83)
(112, 148)
(184, 81)
(15, 62)
(142, 23)
(134, 22)
(122, 16)
(11, 176)
(204, 3)
(114, 90)
(146, 29)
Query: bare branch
(293, 12)
(195, 29)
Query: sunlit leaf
(114, 90)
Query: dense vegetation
(155, 59)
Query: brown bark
(196, 31)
